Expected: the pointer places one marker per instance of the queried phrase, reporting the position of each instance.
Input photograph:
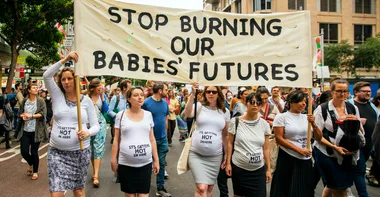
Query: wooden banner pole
(309, 111)
(77, 88)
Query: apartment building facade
(352, 20)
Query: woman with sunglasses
(293, 175)
(209, 138)
(248, 160)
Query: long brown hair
(220, 100)
(93, 85)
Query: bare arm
(115, 150)
(189, 111)
(154, 145)
(279, 134)
(266, 150)
(225, 137)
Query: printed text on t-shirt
(140, 150)
(207, 137)
(254, 157)
(65, 132)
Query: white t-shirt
(65, 126)
(207, 136)
(295, 131)
(30, 108)
(135, 147)
(249, 141)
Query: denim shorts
(333, 174)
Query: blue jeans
(162, 149)
(360, 171)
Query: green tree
(30, 24)
(368, 54)
(339, 57)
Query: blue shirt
(122, 105)
(159, 110)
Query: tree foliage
(339, 57)
(30, 25)
(368, 54)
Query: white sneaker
(349, 193)
(166, 175)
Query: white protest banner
(211, 48)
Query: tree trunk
(14, 55)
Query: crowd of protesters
(232, 138)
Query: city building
(352, 20)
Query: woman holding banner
(134, 147)
(98, 142)
(67, 163)
(293, 175)
(209, 138)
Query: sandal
(35, 176)
(95, 183)
(372, 181)
(29, 172)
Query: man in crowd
(275, 99)
(16, 108)
(368, 116)
(159, 108)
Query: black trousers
(171, 128)
(222, 182)
(29, 150)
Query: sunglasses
(211, 91)
(253, 102)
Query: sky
(184, 4)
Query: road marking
(16, 150)
(12, 150)
(41, 156)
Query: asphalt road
(15, 183)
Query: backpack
(13, 102)
(345, 133)
(8, 112)
(108, 118)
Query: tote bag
(183, 161)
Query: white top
(207, 136)
(329, 126)
(65, 126)
(30, 108)
(135, 147)
(249, 141)
(295, 131)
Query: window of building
(329, 5)
(330, 32)
(296, 4)
(261, 5)
(238, 6)
(227, 9)
(365, 6)
(361, 33)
